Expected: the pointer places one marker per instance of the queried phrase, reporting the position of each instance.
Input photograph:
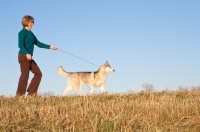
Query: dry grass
(141, 112)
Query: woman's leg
(33, 87)
(23, 80)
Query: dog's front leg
(102, 89)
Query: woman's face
(30, 25)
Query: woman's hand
(53, 47)
(29, 57)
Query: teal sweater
(26, 41)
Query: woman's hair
(26, 20)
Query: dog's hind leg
(68, 88)
(77, 85)
(91, 90)
(79, 89)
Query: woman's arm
(40, 44)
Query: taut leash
(78, 57)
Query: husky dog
(91, 79)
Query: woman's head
(27, 20)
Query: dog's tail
(62, 72)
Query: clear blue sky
(156, 42)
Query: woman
(26, 42)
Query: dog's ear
(106, 63)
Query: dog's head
(108, 68)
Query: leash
(78, 57)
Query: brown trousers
(26, 66)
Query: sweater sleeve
(21, 43)
(40, 44)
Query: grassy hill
(142, 111)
